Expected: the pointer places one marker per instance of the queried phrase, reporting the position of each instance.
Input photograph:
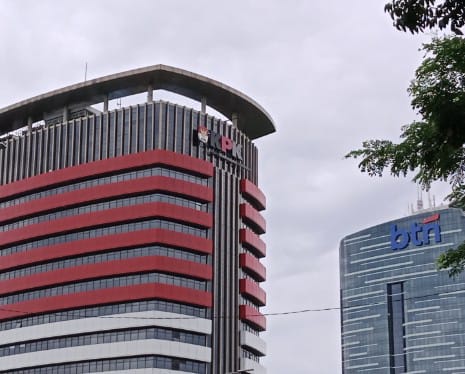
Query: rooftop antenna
(85, 73)
(118, 103)
(429, 200)
(419, 199)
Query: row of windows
(245, 301)
(246, 327)
(151, 172)
(104, 338)
(111, 230)
(111, 204)
(251, 356)
(108, 310)
(107, 283)
(249, 225)
(105, 257)
(245, 199)
(243, 274)
(119, 364)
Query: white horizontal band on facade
(353, 361)
(107, 351)
(401, 276)
(357, 308)
(359, 346)
(428, 345)
(253, 341)
(362, 318)
(379, 268)
(417, 322)
(350, 343)
(375, 245)
(385, 245)
(365, 253)
(404, 252)
(356, 311)
(356, 237)
(362, 366)
(358, 354)
(247, 363)
(357, 331)
(363, 294)
(148, 371)
(435, 307)
(105, 323)
(433, 357)
(422, 334)
(454, 368)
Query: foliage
(433, 148)
(453, 259)
(418, 15)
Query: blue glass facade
(399, 314)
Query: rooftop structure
(253, 120)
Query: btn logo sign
(219, 142)
(418, 234)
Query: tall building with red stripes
(130, 238)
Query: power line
(270, 314)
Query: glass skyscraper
(399, 314)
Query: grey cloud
(330, 73)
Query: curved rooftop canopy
(253, 120)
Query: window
(396, 328)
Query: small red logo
(202, 133)
(434, 217)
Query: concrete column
(150, 94)
(105, 104)
(29, 124)
(65, 114)
(235, 119)
(203, 107)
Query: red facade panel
(108, 166)
(108, 243)
(106, 217)
(252, 317)
(252, 266)
(252, 291)
(253, 194)
(108, 269)
(253, 218)
(252, 242)
(113, 190)
(108, 296)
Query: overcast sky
(330, 73)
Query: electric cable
(269, 314)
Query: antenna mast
(419, 199)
